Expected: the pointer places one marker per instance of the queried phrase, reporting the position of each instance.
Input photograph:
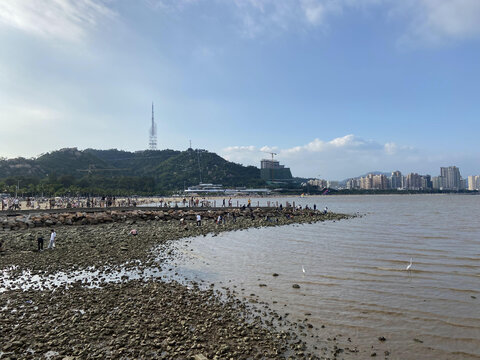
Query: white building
(474, 182)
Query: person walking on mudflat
(199, 220)
(53, 235)
(40, 243)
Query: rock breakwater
(17, 221)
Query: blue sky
(337, 88)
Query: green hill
(117, 172)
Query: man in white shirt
(53, 235)
(199, 220)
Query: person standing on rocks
(40, 243)
(199, 220)
(53, 235)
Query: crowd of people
(9, 203)
(37, 203)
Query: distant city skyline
(335, 88)
(448, 179)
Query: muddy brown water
(355, 281)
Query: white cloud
(390, 148)
(68, 20)
(169, 4)
(338, 158)
(314, 11)
(435, 22)
(425, 21)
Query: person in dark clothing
(40, 243)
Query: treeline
(114, 172)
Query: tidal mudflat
(103, 293)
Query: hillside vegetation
(116, 172)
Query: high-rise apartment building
(413, 181)
(438, 182)
(452, 178)
(426, 182)
(372, 181)
(319, 183)
(396, 180)
(366, 182)
(353, 184)
(380, 182)
(474, 182)
(271, 170)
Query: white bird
(409, 265)
(303, 269)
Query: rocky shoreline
(134, 318)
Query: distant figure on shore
(53, 235)
(219, 219)
(314, 207)
(249, 203)
(199, 220)
(40, 243)
(325, 210)
(133, 232)
(223, 205)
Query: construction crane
(271, 153)
(92, 168)
(271, 165)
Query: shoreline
(223, 325)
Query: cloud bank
(431, 22)
(336, 159)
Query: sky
(336, 88)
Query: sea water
(355, 281)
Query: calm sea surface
(355, 282)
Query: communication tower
(152, 143)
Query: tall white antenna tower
(152, 143)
